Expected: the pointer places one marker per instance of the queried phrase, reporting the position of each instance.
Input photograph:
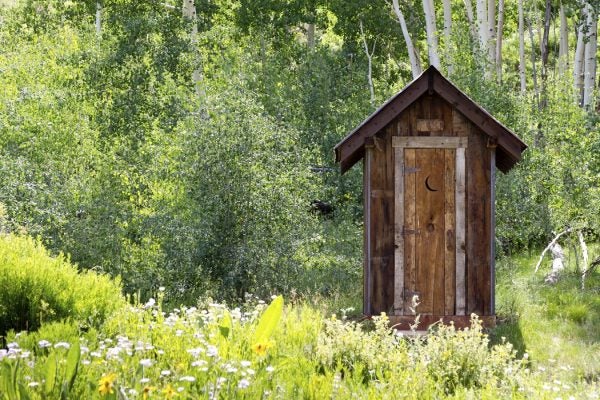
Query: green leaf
(72, 363)
(23, 394)
(226, 324)
(6, 377)
(269, 320)
(50, 374)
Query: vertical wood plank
(460, 232)
(409, 224)
(492, 231)
(398, 237)
(367, 308)
(478, 224)
(450, 228)
(436, 231)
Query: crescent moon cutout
(429, 187)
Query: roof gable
(509, 146)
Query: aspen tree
(413, 56)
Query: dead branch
(589, 269)
(550, 245)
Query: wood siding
(382, 218)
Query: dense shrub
(36, 287)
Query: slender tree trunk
(578, 63)
(432, 41)
(522, 48)
(413, 56)
(189, 12)
(491, 24)
(499, 35)
(534, 70)
(98, 18)
(482, 24)
(544, 44)
(448, 33)
(591, 47)
(370, 62)
(471, 19)
(310, 36)
(563, 47)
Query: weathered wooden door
(429, 225)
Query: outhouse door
(429, 237)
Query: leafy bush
(36, 287)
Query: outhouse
(429, 159)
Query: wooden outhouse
(429, 159)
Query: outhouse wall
(379, 170)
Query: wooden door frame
(459, 144)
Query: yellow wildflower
(146, 391)
(106, 384)
(169, 392)
(261, 348)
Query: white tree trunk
(558, 264)
(499, 40)
(310, 36)
(448, 33)
(189, 11)
(578, 63)
(415, 64)
(591, 47)
(491, 24)
(471, 19)
(563, 46)
(522, 48)
(482, 24)
(370, 62)
(98, 18)
(432, 41)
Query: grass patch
(557, 325)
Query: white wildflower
(243, 383)
(146, 362)
(44, 343)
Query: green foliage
(142, 350)
(268, 320)
(36, 287)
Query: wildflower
(187, 378)
(198, 363)
(3, 353)
(270, 369)
(165, 372)
(150, 303)
(261, 348)
(33, 384)
(212, 351)
(63, 345)
(13, 345)
(44, 343)
(169, 392)
(146, 362)
(243, 383)
(146, 391)
(245, 363)
(106, 384)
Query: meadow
(545, 345)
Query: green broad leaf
(23, 394)
(50, 374)
(226, 324)
(6, 377)
(72, 363)
(269, 320)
